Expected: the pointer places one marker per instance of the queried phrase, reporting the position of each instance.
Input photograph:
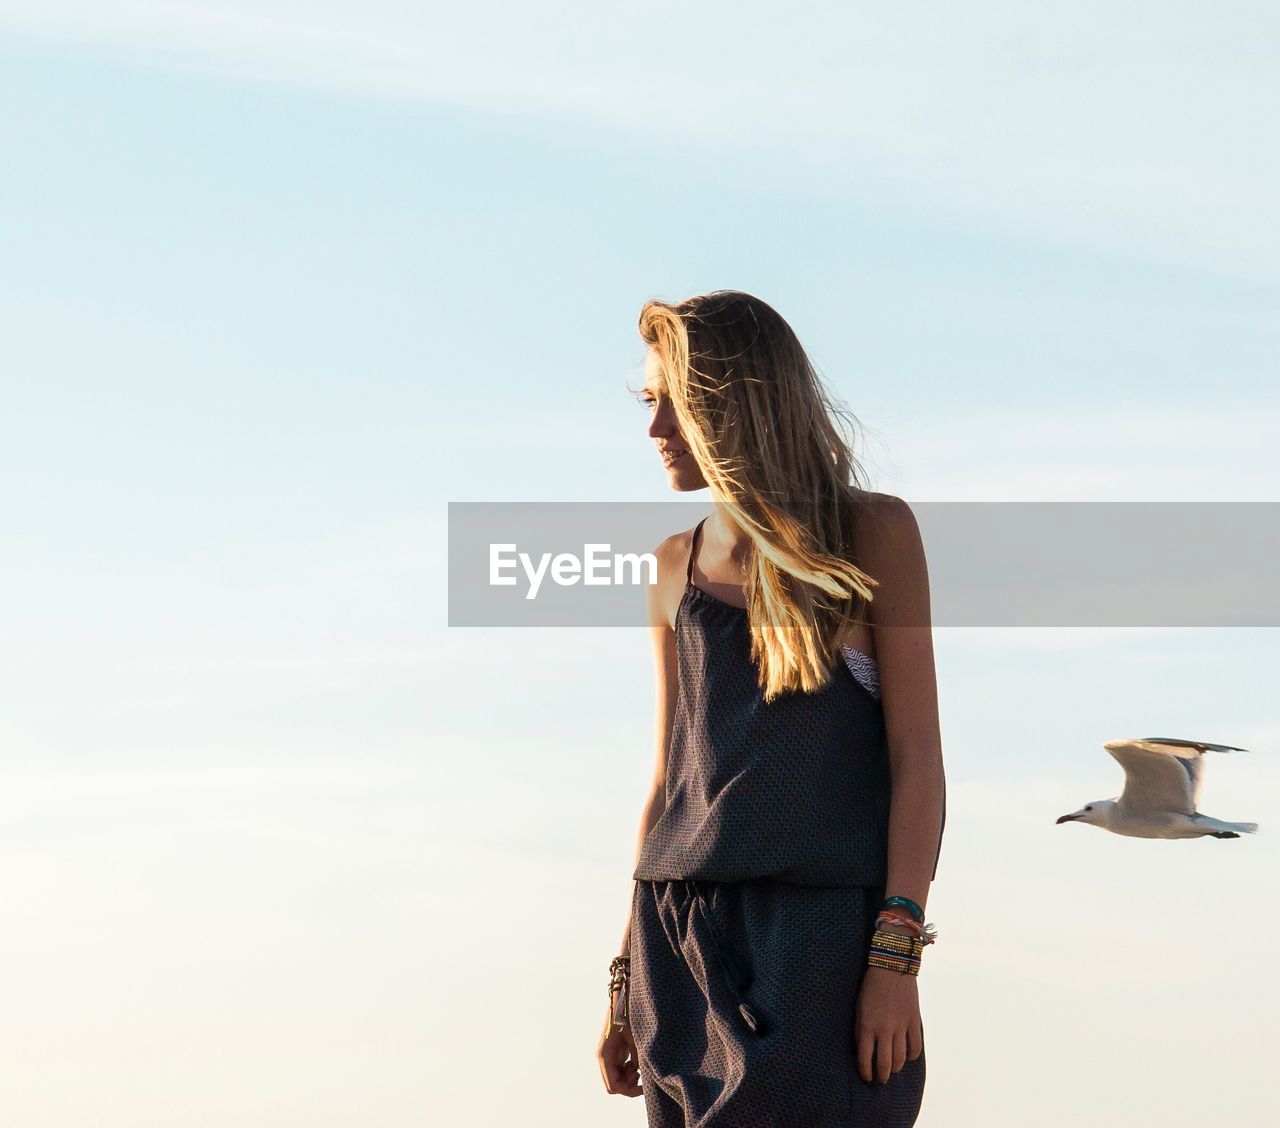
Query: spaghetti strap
(693, 549)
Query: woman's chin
(685, 482)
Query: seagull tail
(1226, 829)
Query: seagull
(1162, 777)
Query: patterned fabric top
(796, 789)
(863, 667)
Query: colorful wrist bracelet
(926, 932)
(906, 903)
(902, 967)
(896, 942)
(620, 989)
(895, 952)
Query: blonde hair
(768, 439)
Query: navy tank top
(796, 789)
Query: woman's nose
(663, 422)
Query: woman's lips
(671, 456)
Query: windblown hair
(774, 449)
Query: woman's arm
(615, 1051)
(900, 620)
(663, 639)
(889, 1027)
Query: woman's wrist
(904, 905)
(900, 937)
(620, 990)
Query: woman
(767, 973)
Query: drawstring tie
(737, 975)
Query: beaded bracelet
(894, 943)
(619, 989)
(902, 967)
(895, 952)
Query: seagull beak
(1067, 818)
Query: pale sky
(280, 280)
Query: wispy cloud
(1142, 452)
(1140, 129)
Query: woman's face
(682, 470)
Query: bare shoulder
(891, 551)
(673, 552)
(880, 503)
(672, 556)
(884, 522)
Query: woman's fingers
(619, 1065)
(884, 1056)
(915, 1041)
(866, 1044)
(604, 1059)
(631, 1067)
(883, 1047)
(882, 1053)
(899, 1049)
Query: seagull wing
(1158, 778)
(1203, 745)
(1193, 762)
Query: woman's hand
(887, 1028)
(616, 1054)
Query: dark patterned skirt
(742, 1007)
